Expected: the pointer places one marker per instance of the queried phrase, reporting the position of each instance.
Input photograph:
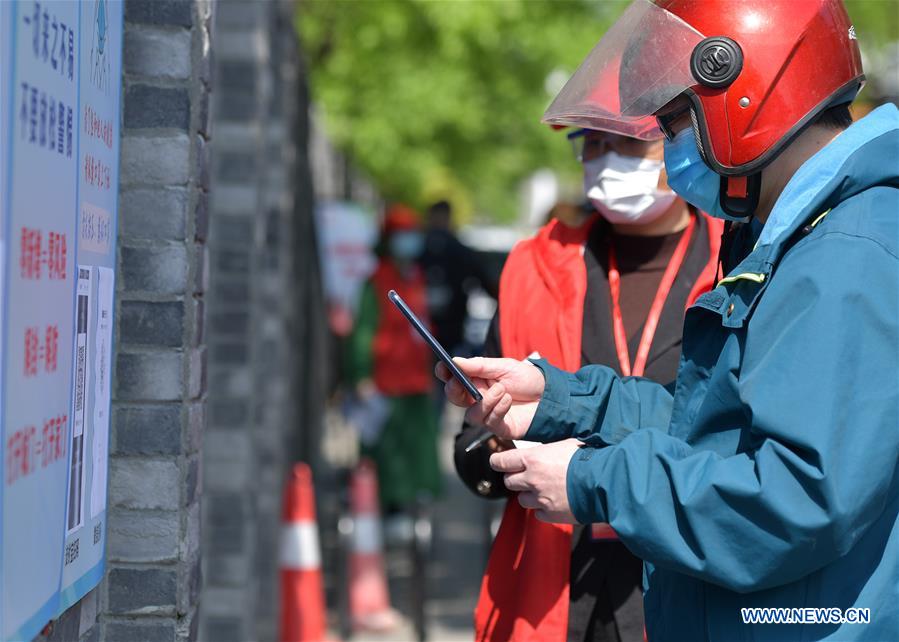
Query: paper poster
(95, 212)
(5, 59)
(94, 231)
(80, 384)
(39, 289)
(5, 74)
(60, 81)
(102, 385)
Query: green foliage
(443, 99)
(876, 21)
(877, 25)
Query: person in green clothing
(391, 368)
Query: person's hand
(539, 475)
(511, 390)
(497, 445)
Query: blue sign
(61, 94)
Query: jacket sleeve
(597, 406)
(819, 387)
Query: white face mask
(625, 189)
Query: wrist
(547, 425)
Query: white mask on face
(625, 189)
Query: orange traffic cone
(369, 600)
(302, 590)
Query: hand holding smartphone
(438, 349)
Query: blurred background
(273, 153)
(427, 102)
(441, 101)
(434, 100)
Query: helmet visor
(641, 64)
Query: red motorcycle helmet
(755, 73)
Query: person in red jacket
(611, 289)
(389, 361)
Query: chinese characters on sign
(61, 70)
(28, 450)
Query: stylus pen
(477, 442)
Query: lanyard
(652, 321)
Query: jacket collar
(845, 167)
(860, 157)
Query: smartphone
(438, 349)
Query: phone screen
(438, 349)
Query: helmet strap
(739, 195)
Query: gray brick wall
(252, 352)
(217, 266)
(153, 581)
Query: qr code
(72, 552)
(98, 532)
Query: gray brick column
(252, 295)
(153, 580)
(253, 305)
(244, 330)
(276, 349)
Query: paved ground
(461, 543)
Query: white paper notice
(103, 343)
(95, 229)
(80, 382)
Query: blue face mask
(691, 178)
(406, 246)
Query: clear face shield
(589, 144)
(641, 64)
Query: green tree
(877, 25)
(876, 21)
(436, 99)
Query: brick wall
(253, 352)
(218, 265)
(153, 581)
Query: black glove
(474, 467)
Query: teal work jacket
(770, 477)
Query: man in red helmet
(764, 493)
